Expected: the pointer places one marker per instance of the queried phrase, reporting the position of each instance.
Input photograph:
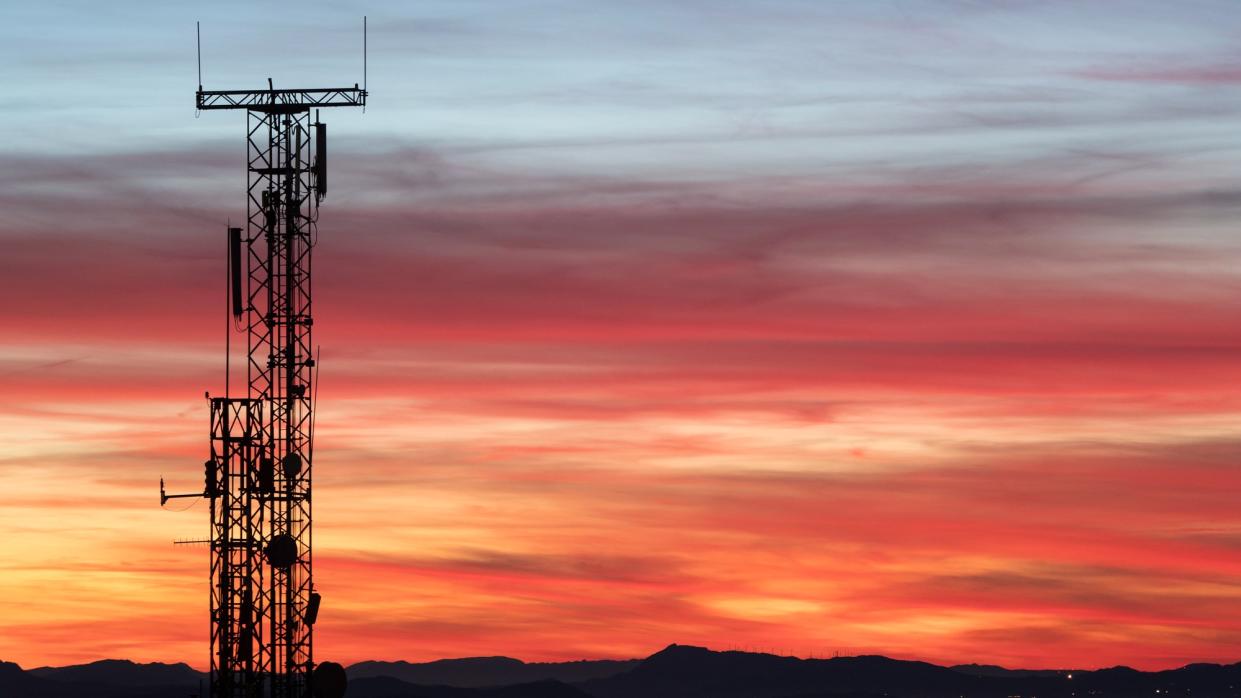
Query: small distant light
(1070, 676)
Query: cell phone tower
(258, 476)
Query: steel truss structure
(258, 477)
(298, 99)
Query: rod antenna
(198, 36)
(363, 52)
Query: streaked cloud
(902, 327)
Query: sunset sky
(908, 327)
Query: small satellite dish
(282, 551)
(292, 466)
(329, 680)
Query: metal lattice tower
(258, 476)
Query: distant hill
(388, 687)
(999, 671)
(681, 671)
(677, 671)
(125, 679)
(107, 679)
(490, 671)
(695, 672)
(122, 672)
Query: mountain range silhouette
(678, 671)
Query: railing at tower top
(281, 100)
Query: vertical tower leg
(263, 600)
(261, 561)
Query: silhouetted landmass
(125, 683)
(694, 672)
(676, 672)
(999, 671)
(491, 671)
(122, 672)
(388, 687)
(683, 672)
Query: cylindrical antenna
(363, 53)
(234, 268)
(198, 35)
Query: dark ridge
(999, 671)
(695, 672)
(681, 671)
(122, 672)
(678, 671)
(15, 683)
(9, 669)
(388, 687)
(479, 672)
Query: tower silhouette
(258, 476)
